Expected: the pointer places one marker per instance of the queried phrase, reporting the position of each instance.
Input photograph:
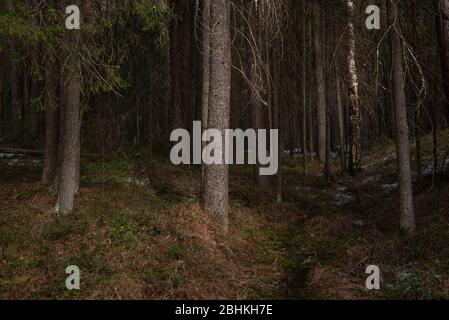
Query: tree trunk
(206, 79)
(329, 23)
(51, 124)
(310, 109)
(2, 112)
(320, 81)
(277, 115)
(402, 129)
(182, 57)
(68, 171)
(341, 123)
(216, 201)
(61, 130)
(15, 104)
(354, 100)
(443, 41)
(304, 89)
(259, 115)
(31, 112)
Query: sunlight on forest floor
(139, 232)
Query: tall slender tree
(305, 28)
(205, 90)
(51, 122)
(320, 80)
(354, 100)
(216, 201)
(68, 171)
(402, 128)
(443, 41)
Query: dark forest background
(363, 116)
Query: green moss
(12, 235)
(175, 252)
(154, 275)
(64, 227)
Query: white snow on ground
(428, 165)
(359, 223)
(403, 275)
(7, 155)
(427, 170)
(343, 198)
(392, 186)
(389, 157)
(13, 162)
(140, 183)
(26, 162)
(372, 179)
(14, 159)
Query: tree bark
(341, 123)
(31, 115)
(402, 129)
(216, 201)
(310, 111)
(206, 27)
(182, 58)
(277, 115)
(304, 89)
(51, 124)
(320, 81)
(68, 171)
(443, 41)
(61, 120)
(15, 102)
(329, 23)
(2, 112)
(259, 114)
(354, 100)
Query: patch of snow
(359, 223)
(25, 162)
(403, 275)
(427, 169)
(138, 182)
(392, 186)
(343, 198)
(446, 163)
(13, 162)
(7, 155)
(372, 179)
(389, 157)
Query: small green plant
(175, 252)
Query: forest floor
(139, 233)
